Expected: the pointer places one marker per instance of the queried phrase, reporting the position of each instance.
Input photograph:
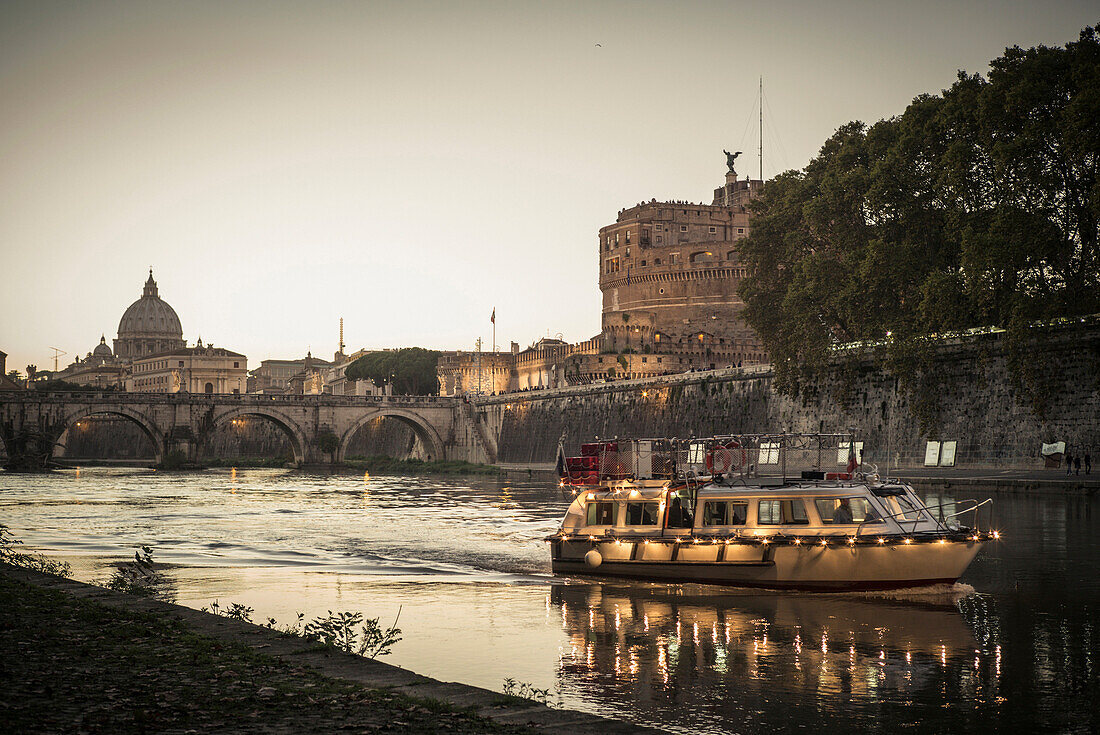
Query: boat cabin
(714, 510)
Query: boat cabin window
(846, 510)
(679, 513)
(642, 514)
(724, 513)
(601, 514)
(903, 507)
(782, 513)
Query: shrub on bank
(9, 554)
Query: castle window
(643, 263)
(683, 228)
(658, 239)
(740, 230)
(236, 364)
(657, 261)
(712, 229)
(672, 258)
(628, 251)
(628, 237)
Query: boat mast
(760, 105)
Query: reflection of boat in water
(873, 624)
(729, 652)
(727, 510)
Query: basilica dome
(102, 349)
(148, 326)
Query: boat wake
(936, 593)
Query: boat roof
(627, 491)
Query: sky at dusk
(409, 166)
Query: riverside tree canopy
(411, 370)
(976, 207)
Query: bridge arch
(425, 432)
(147, 425)
(298, 442)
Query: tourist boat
(774, 511)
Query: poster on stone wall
(932, 454)
(947, 453)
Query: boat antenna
(760, 104)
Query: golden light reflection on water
(506, 501)
(661, 640)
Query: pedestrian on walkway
(1088, 463)
(1077, 464)
(1069, 463)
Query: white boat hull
(835, 567)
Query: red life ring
(719, 460)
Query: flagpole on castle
(493, 319)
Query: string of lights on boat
(780, 539)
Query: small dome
(102, 350)
(150, 316)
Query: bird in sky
(600, 45)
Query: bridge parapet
(32, 396)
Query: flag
(493, 318)
(852, 461)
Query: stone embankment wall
(974, 398)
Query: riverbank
(80, 658)
(383, 465)
(1038, 481)
(378, 465)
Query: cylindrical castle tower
(669, 274)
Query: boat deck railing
(939, 519)
(733, 457)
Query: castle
(669, 274)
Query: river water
(1013, 647)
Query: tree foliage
(328, 442)
(411, 371)
(976, 207)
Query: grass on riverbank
(249, 462)
(74, 665)
(383, 465)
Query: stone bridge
(33, 424)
